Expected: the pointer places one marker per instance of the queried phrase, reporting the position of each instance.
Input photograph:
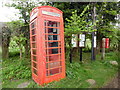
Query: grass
(16, 71)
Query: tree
(6, 34)
(106, 14)
(77, 24)
(24, 8)
(17, 35)
(20, 41)
(118, 34)
(68, 7)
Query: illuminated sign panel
(50, 13)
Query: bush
(19, 69)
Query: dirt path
(114, 83)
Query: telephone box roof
(48, 7)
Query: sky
(7, 14)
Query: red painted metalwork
(47, 44)
(107, 43)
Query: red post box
(107, 43)
(47, 44)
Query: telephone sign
(50, 13)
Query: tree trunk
(103, 54)
(5, 51)
(77, 43)
(5, 42)
(27, 49)
(27, 35)
(103, 49)
(119, 45)
(99, 42)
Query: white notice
(82, 37)
(74, 40)
(94, 42)
(81, 43)
(82, 40)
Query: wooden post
(103, 49)
(80, 54)
(70, 55)
(81, 44)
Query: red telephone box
(47, 44)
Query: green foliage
(15, 68)
(5, 41)
(18, 39)
(15, 25)
(24, 8)
(114, 39)
(34, 85)
(76, 73)
(6, 34)
(13, 46)
(70, 67)
(68, 7)
(77, 23)
(107, 12)
(21, 27)
(106, 17)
